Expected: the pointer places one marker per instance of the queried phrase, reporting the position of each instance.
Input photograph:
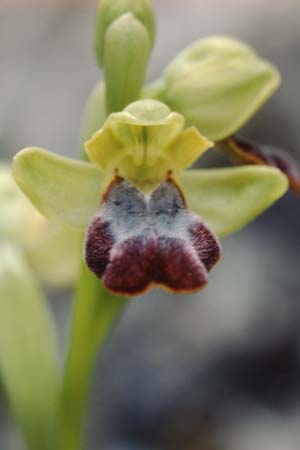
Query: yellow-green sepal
(66, 191)
(227, 199)
(217, 83)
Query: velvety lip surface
(137, 241)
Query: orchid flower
(148, 220)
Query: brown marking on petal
(115, 182)
(98, 244)
(241, 151)
(138, 241)
(205, 244)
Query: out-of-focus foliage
(28, 364)
(52, 251)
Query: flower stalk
(95, 312)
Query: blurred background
(219, 370)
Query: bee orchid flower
(149, 219)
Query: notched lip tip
(157, 286)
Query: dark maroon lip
(136, 242)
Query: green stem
(95, 312)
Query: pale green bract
(217, 83)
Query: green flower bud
(110, 10)
(126, 53)
(217, 83)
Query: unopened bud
(110, 10)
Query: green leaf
(110, 10)
(28, 360)
(227, 199)
(218, 83)
(64, 190)
(126, 53)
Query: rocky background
(219, 370)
